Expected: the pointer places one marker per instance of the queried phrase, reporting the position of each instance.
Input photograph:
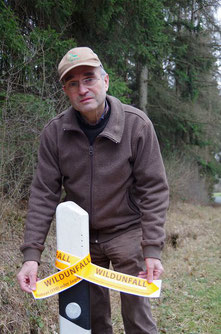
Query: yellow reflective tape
(118, 281)
(66, 257)
(61, 280)
(73, 270)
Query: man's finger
(150, 275)
(33, 279)
(27, 276)
(24, 283)
(158, 273)
(26, 288)
(142, 274)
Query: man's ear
(106, 82)
(64, 89)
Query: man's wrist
(31, 254)
(152, 252)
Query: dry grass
(19, 313)
(191, 296)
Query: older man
(106, 156)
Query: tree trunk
(143, 88)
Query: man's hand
(27, 276)
(154, 270)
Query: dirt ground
(190, 301)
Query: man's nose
(82, 89)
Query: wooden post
(73, 237)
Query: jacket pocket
(132, 204)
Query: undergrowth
(190, 302)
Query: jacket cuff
(31, 254)
(152, 251)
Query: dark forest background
(162, 56)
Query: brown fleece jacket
(120, 180)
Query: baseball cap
(77, 57)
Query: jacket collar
(114, 128)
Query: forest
(162, 56)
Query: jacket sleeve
(151, 190)
(44, 198)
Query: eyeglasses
(73, 86)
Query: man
(106, 156)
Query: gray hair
(103, 72)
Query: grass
(191, 296)
(216, 194)
(192, 285)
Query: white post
(73, 237)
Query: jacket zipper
(91, 154)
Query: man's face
(86, 89)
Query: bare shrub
(185, 181)
(22, 119)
